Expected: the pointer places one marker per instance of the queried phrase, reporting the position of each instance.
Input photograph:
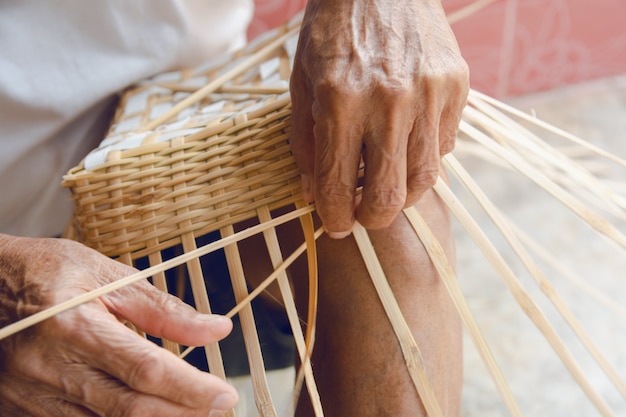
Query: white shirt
(62, 63)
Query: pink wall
(519, 46)
(270, 13)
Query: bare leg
(357, 362)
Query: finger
(25, 398)
(385, 155)
(449, 124)
(423, 156)
(338, 145)
(301, 139)
(163, 315)
(99, 340)
(109, 397)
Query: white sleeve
(62, 63)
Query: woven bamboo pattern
(203, 150)
(231, 151)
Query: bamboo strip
(466, 148)
(524, 300)
(540, 150)
(570, 275)
(252, 89)
(239, 205)
(228, 89)
(198, 287)
(49, 312)
(124, 258)
(273, 276)
(310, 237)
(448, 277)
(550, 128)
(271, 241)
(410, 349)
(262, 395)
(510, 131)
(199, 94)
(592, 218)
(155, 258)
(468, 10)
(196, 276)
(159, 282)
(542, 281)
(270, 279)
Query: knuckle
(335, 205)
(70, 386)
(459, 78)
(333, 196)
(464, 70)
(333, 87)
(329, 85)
(69, 326)
(423, 180)
(447, 144)
(146, 373)
(380, 207)
(458, 69)
(397, 91)
(335, 191)
(125, 406)
(454, 76)
(385, 201)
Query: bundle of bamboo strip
(205, 149)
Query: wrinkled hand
(378, 79)
(86, 362)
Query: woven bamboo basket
(203, 150)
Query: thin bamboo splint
(205, 149)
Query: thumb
(164, 315)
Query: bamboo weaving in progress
(204, 150)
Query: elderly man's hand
(86, 362)
(378, 79)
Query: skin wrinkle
(376, 50)
(85, 356)
(363, 77)
(72, 384)
(372, 58)
(8, 304)
(18, 297)
(19, 397)
(387, 153)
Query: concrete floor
(542, 386)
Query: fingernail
(338, 235)
(223, 402)
(214, 318)
(216, 413)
